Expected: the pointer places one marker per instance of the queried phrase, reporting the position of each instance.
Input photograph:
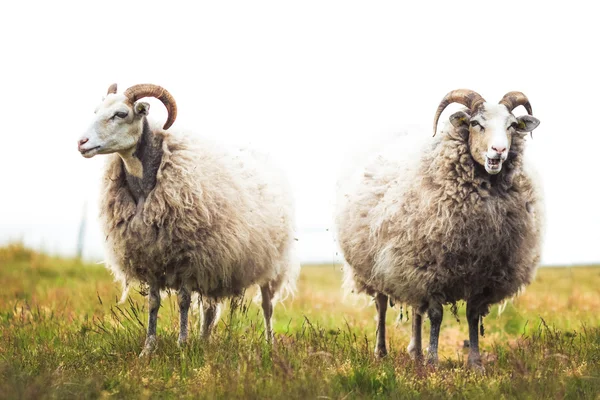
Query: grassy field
(64, 336)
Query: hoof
(413, 353)
(146, 352)
(432, 357)
(270, 338)
(205, 334)
(433, 361)
(149, 347)
(181, 342)
(380, 352)
(417, 357)
(476, 366)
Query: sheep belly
(417, 259)
(151, 256)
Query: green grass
(64, 336)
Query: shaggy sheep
(187, 215)
(458, 219)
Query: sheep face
(491, 130)
(116, 128)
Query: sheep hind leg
(415, 348)
(436, 314)
(153, 306)
(210, 315)
(267, 294)
(381, 305)
(184, 299)
(473, 315)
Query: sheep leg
(473, 314)
(184, 298)
(267, 305)
(210, 315)
(436, 314)
(381, 305)
(153, 306)
(415, 348)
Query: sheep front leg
(381, 302)
(415, 348)
(473, 315)
(184, 298)
(267, 306)
(153, 306)
(436, 314)
(210, 315)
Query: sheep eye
(475, 123)
(120, 114)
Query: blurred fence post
(81, 236)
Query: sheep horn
(112, 89)
(472, 100)
(514, 99)
(137, 92)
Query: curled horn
(137, 92)
(513, 100)
(112, 89)
(472, 100)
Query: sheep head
(118, 124)
(491, 126)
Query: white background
(302, 80)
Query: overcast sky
(304, 81)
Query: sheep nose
(499, 150)
(82, 142)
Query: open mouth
(493, 165)
(89, 152)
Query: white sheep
(186, 214)
(458, 219)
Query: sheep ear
(459, 118)
(527, 123)
(141, 108)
